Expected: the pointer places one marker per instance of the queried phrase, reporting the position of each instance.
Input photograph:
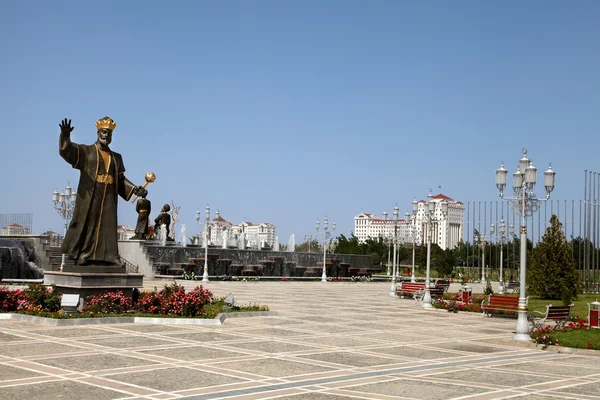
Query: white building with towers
(222, 231)
(446, 233)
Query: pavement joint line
(320, 381)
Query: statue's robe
(92, 234)
(143, 209)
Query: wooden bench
(559, 314)
(512, 286)
(500, 303)
(436, 293)
(443, 283)
(409, 288)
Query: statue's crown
(106, 123)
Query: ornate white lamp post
(387, 240)
(206, 222)
(501, 234)
(431, 219)
(525, 202)
(64, 203)
(325, 237)
(411, 233)
(394, 266)
(483, 243)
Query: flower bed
(573, 334)
(170, 301)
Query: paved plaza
(330, 342)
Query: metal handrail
(129, 267)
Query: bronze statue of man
(92, 235)
(164, 218)
(143, 208)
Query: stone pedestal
(95, 280)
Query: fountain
(242, 242)
(292, 243)
(18, 260)
(183, 236)
(162, 235)
(276, 244)
(225, 237)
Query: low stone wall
(274, 263)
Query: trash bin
(466, 294)
(593, 314)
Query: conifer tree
(552, 273)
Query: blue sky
(287, 111)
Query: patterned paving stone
(193, 353)
(8, 373)
(552, 368)
(469, 347)
(353, 359)
(95, 362)
(588, 389)
(71, 332)
(271, 347)
(204, 336)
(62, 390)
(316, 396)
(415, 352)
(172, 379)
(417, 389)
(35, 349)
(493, 376)
(128, 342)
(7, 337)
(274, 368)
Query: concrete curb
(218, 320)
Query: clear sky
(287, 111)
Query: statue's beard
(104, 142)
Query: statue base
(90, 280)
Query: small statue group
(164, 219)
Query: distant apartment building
(14, 230)
(446, 232)
(254, 234)
(125, 232)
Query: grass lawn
(580, 306)
(580, 339)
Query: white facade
(371, 226)
(14, 230)
(446, 232)
(125, 232)
(254, 234)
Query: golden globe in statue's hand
(149, 178)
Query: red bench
(495, 303)
(409, 288)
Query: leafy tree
(552, 273)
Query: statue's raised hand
(65, 127)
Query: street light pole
(483, 243)
(393, 287)
(387, 240)
(409, 219)
(525, 202)
(431, 218)
(64, 203)
(206, 222)
(501, 232)
(325, 236)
